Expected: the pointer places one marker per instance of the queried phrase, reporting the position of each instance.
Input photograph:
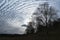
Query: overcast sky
(14, 13)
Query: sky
(14, 13)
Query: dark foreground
(52, 33)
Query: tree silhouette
(44, 15)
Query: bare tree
(44, 15)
